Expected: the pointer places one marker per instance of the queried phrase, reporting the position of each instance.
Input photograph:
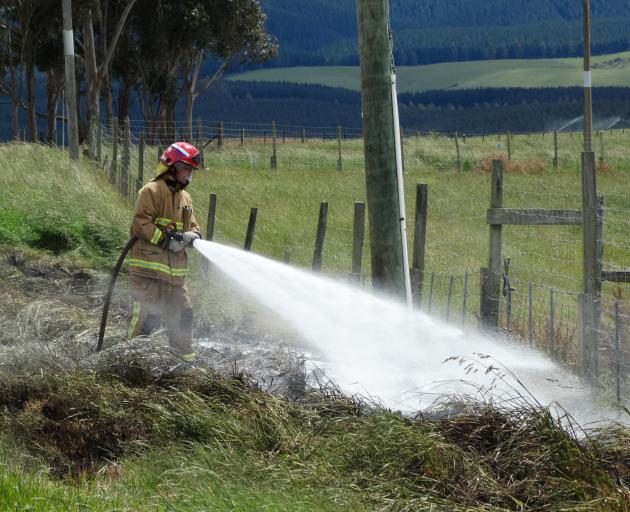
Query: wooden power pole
(70, 85)
(379, 146)
(590, 298)
(588, 96)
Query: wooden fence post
(530, 314)
(465, 300)
(450, 296)
(555, 150)
(303, 135)
(419, 242)
(552, 324)
(114, 163)
(212, 212)
(590, 299)
(490, 277)
(220, 135)
(602, 156)
(507, 293)
(274, 155)
(431, 283)
(458, 162)
(319, 238)
(339, 161)
(358, 234)
(617, 352)
(140, 178)
(242, 136)
(509, 145)
(251, 226)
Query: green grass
(613, 71)
(199, 442)
(59, 207)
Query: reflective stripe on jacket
(157, 206)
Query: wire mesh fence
(539, 304)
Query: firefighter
(164, 223)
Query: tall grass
(58, 206)
(199, 442)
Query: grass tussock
(530, 165)
(518, 459)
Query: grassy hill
(324, 32)
(608, 70)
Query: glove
(173, 241)
(189, 237)
(175, 245)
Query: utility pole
(588, 96)
(379, 134)
(70, 86)
(590, 298)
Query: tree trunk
(91, 75)
(188, 114)
(52, 103)
(191, 93)
(14, 91)
(30, 102)
(108, 96)
(14, 119)
(123, 101)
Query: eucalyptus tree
(174, 44)
(99, 49)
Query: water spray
(375, 346)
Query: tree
(235, 34)
(172, 53)
(96, 73)
(48, 57)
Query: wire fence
(530, 151)
(539, 303)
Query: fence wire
(539, 307)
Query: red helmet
(181, 152)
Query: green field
(608, 70)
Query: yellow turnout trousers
(154, 301)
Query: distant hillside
(608, 70)
(468, 111)
(324, 31)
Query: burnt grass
(76, 422)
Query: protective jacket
(159, 206)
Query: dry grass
(521, 166)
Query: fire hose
(112, 282)
(110, 290)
